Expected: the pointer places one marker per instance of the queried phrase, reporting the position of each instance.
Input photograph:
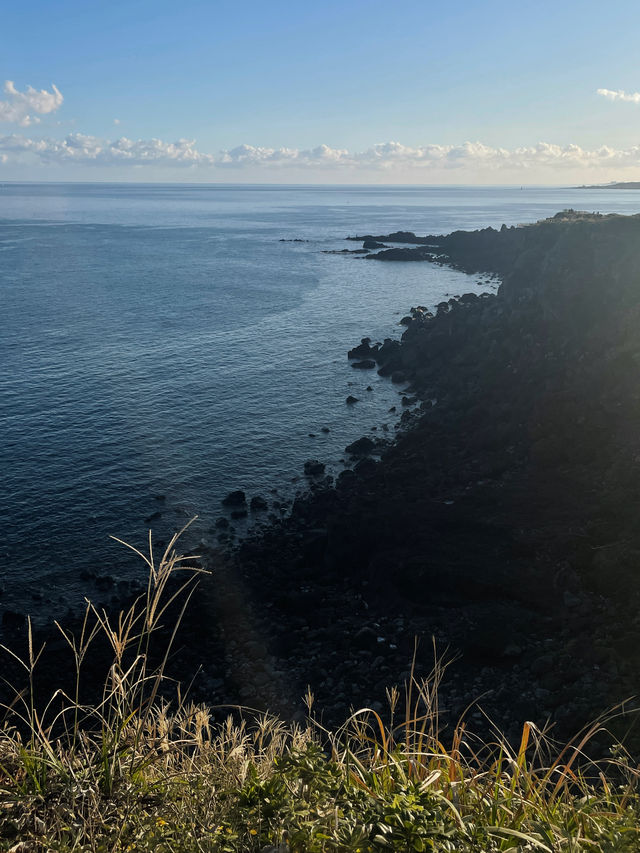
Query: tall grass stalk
(137, 769)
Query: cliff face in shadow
(504, 519)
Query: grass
(135, 771)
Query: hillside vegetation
(144, 770)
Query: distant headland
(614, 185)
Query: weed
(133, 771)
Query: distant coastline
(616, 185)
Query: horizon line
(313, 184)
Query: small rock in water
(313, 468)
(325, 429)
(237, 498)
(351, 400)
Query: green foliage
(134, 774)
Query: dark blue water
(160, 340)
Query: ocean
(162, 345)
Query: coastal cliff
(503, 520)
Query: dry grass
(133, 771)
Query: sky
(404, 92)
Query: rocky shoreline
(501, 521)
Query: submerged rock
(236, 498)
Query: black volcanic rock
(367, 364)
(235, 499)
(361, 447)
(363, 350)
(395, 237)
(313, 468)
(415, 254)
(502, 500)
(345, 251)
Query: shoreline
(467, 529)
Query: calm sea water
(161, 340)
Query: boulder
(236, 498)
(367, 364)
(361, 447)
(363, 350)
(388, 350)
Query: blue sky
(467, 92)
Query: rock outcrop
(503, 520)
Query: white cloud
(245, 155)
(620, 95)
(20, 106)
(80, 148)
(387, 157)
(116, 121)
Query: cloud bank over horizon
(388, 157)
(54, 155)
(20, 106)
